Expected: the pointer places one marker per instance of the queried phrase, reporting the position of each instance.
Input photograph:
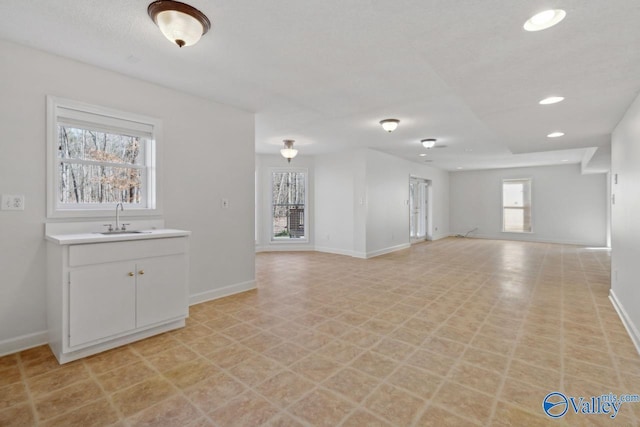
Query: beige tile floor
(456, 332)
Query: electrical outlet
(12, 202)
(224, 203)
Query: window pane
(85, 144)
(516, 205)
(94, 184)
(513, 193)
(288, 195)
(513, 220)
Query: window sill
(289, 241)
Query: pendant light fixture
(180, 23)
(428, 143)
(389, 124)
(288, 152)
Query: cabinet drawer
(98, 253)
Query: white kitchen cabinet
(102, 302)
(157, 296)
(104, 294)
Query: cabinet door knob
(130, 274)
(141, 272)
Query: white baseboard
(632, 330)
(388, 250)
(222, 292)
(528, 238)
(24, 342)
(355, 254)
(334, 251)
(113, 343)
(440, 236)
(284, 247)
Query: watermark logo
(557, 404)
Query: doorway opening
(420, 227)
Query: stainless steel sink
(107, 233)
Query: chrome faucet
(117, 215)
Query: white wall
(567, 206)
(334, 209)
(265, 164)
(376, 186)
(208, 154)
(387, 180)
(625, 220)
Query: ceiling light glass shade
(552, 100)
(179, 22)
(179, 27)
(428, 143)
(544, 20)
(555, 134)
(288, 152)
(389, 124)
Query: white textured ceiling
(324, 73)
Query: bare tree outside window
(288, 195)
(99, 167)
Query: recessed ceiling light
(552, 100)
(565, 160)
(422, 154)
(459, 167)
(544, 20)
(555, 134)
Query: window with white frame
(516, 205)
(99, 157)
(289, 205)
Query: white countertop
(73, 239)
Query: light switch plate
(12, 202)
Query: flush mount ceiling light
(551, 100)
(180, 23)
(428, 143)
(389, 124)
(288, 152)
(555, 134)
(544, 20)
(422, 154)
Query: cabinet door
(101, 302)
(162, 289)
